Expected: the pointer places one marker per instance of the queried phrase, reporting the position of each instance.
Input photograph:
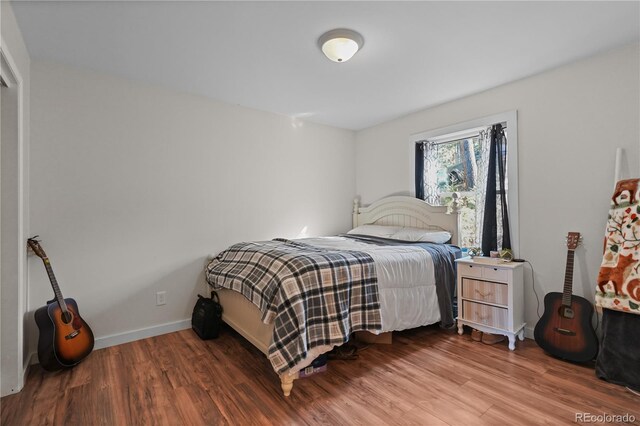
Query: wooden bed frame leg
(286, 382)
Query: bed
(401, 290)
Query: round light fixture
(340, 44)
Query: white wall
(133, 186)
(570, 120)
(15, 207)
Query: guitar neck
(568, 279)
(54, 285)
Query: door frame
(13, 77)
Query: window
(452, 166)
(456, 160)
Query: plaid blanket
(315, 296)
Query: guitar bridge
(564, 331)
(72, 335)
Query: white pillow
(422, 235)
(376, 230)
(403, 233)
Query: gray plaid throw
(315, 296)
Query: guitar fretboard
(54, 284)
(568, 279)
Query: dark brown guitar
(565, 330)
(65, 339)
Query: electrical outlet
(161, 298)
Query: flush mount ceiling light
(340, 44)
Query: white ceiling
(264, 54)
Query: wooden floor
(426, 376)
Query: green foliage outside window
(456, 172)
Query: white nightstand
(491, 297)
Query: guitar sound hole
(66, 317)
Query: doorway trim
(13, 76)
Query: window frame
(459, 130)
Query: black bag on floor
(207, 317)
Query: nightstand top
(489, 262)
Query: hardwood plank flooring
(427, 376)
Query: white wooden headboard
(399, 210)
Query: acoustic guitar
(65, 338)
(565, 330)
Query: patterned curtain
(431, 193)
(481, 181)
(469, 165)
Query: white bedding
(406, 281)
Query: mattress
(406, 281)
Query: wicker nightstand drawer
(484, 314)
(470, 270)
(495, 274)
(485, 291)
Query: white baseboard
(528, 332)
(142, 333)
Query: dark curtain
(420, 170)
(496, 179)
